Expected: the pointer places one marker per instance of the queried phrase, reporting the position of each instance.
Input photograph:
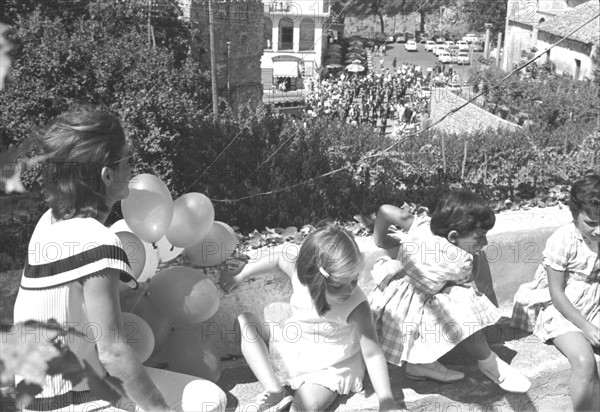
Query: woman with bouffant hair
(74, 266)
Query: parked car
(411, 45)
(453, 49)
(423, 38)
(470, 38)
(449, 43)
(440, 40)
(444, 57)
(400, 38)
(463, 58)
(439, 48)
(462, 45)
(429, 45)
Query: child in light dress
(562, 304)
(426, 302)
(330, 338)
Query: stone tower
(238, 28)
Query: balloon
(136, 253)
(187, 351)
(185, 295)
(148, 209)
(166, 251)
(139, 304)
(215, 248)
(151, 254)
(138, 335)
(193, 216)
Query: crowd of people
(399, 96)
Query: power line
(382, 152)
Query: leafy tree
(476, 13)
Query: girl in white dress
(562, 304)
(330, 337)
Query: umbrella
(334, 61)
(334, 53)
(354, 61)
(355, 56)
(356, 42)
(334, 46)
(355, 68)
(356, 49)
(333, 65)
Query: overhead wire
(410, 135)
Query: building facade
(295, 34)
(523, 20)
(572, 56)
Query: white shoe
(505, 376)
(433, 371)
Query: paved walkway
(543, 364)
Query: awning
(285, 69)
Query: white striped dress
(60, 256)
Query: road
(421, 58)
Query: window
(286, 34)
(307, 34)
(267, 33)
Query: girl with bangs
(426, 301)
(322, 350)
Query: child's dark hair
(463, 211)
(79, 144)
(585, 195)
(330, 249)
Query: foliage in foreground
(34, 350)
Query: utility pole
(213, 62)
(500, 54)
(486, 47)
(149, 22)
(228, 70)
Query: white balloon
(151, 253)
(166, 251)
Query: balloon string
(138, 300)
(172, 247)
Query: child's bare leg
(578, 351)
(311, 397)
(254, 348)
(477, 346)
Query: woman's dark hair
(585, 195)
(463, 211)
(334, 250)
(78, 145)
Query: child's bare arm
(374, 358)
(281, 257)
(388, 215)
(556, 281)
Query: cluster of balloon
(215, 248)
(188, 351)
(157, 229)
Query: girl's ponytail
(328, 254)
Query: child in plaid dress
(426, 302)
(562, 304)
